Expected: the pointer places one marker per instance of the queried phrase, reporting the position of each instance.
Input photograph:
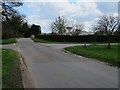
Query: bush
(82, 38)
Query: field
(98, 51)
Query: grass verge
(9, 41)
(98, 51)
(11, 74)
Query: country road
(52, 68)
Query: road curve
(52, 68)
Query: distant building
(91, 33)
(84, 33)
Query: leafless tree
(8, 8)
(107, 24)
(53, 28)
(75, 30)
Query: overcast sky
(43, 13)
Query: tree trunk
(95, 38)
(109, 41)
(84, 45)
(84, 42)
(108, 44)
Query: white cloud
(78, 9)
(44, 23)
(72, 11)
(115, 14)
(34, 6)
(34, 19)
(70, 0)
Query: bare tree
(59, 26)
(107, 24)
(53, 28)
(117, 32)
(8, 8)
(75, 30)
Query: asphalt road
(52, 68)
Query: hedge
(82, 38)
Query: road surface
(52, 68)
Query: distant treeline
(82, 38)
(12, 28)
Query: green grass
(46, 41)
(97, 51)
(9, 41)
(11, 76)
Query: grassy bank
(97, 51)
(11, 75)
(46, 41)
(9, 41)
